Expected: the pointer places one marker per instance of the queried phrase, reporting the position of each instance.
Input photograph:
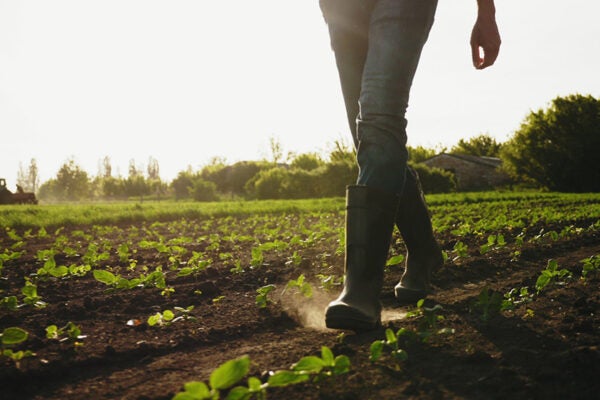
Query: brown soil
(549, 352)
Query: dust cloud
(310, 311)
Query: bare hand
(485, 41)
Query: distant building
(471, 172)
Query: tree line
(554, 148)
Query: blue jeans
(377, 45)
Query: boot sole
(349, 319)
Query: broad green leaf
(14, 335)
(376, 350)
(104, 276)
(238, 393)
(311, 364)
(286, 378)
(341, 364)
(254, 384)
(395, 260)
(197, 389)
(154, 319)
(29, 290)
(59, 272)
(229, 373)
(52, 332)
(390, 336)
(168, 315)
(327, 356)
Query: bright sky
(184, 81)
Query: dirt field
(544, 349)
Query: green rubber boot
(370, 215)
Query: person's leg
(348, 24)
(397, 32)
(350, 37)
(382, 143)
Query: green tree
(342, 152)
(202, 190)
(482, 146)
(419, 154)
(182, 183)
(71, 183)
(435, 180)
(558, 148)
(307, 161)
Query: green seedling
(329, 282)
(10, 337)
(489, 303)
(428, 320)
(10, 303)
(391, 341)
(161, 319)
(551, 274)
(395, 260)
(31, 296)
(194, 265)
(516, 297)
(493, 242)
(461, 250)
(591, 266)
(8, 255)
(233, 371)
(218, 299)
(123, 252)
(294, 260)
(237, 267)
(169, 317)
(222, 378)
(318, 367)
(257, 257)
(70, 332)
(303, 287)
(261, 298)
(154, 279)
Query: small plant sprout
(429, 318)
(222, 378)
(10, 337)
(161, 319)
(391, 341)
(460, 250)
(319, 367)
(70, 332)
(261, 298)
(591, 266)
(10, 303)
(328, 282)
(303, 287)
(294, 260)
(31, 296)
(395, 260)
(515, 297)
(169, 317)
(493, 242)
(551, 274)
(489, 303)
(233, 371)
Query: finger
(475, 55)
(489, 57)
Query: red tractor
(21, 197)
